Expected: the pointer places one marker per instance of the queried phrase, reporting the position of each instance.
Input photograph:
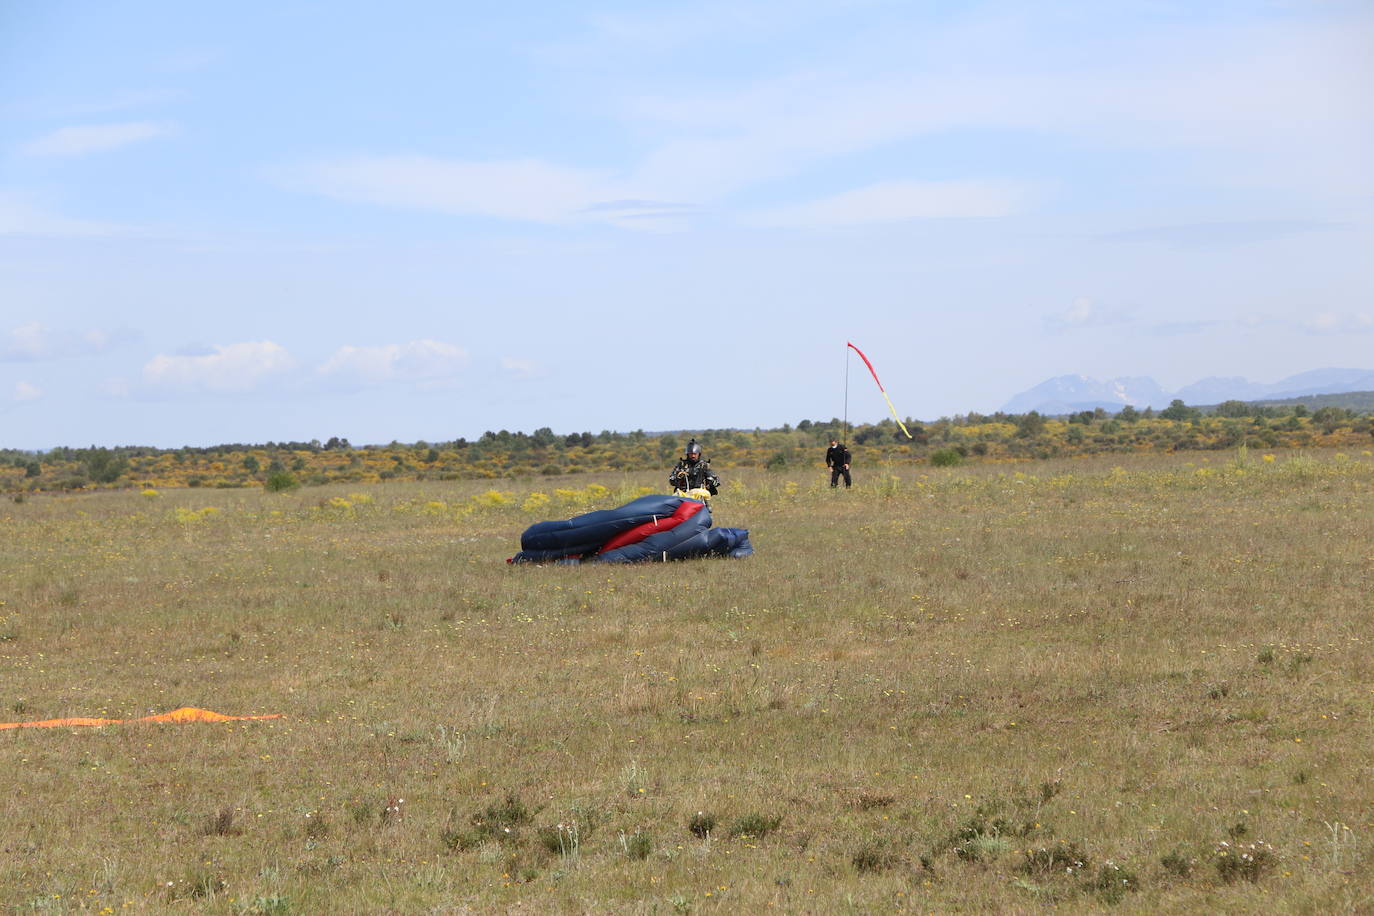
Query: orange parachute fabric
(184, 714)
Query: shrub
(637, 846)
(780, 460)
(983, 846)
(946, 458)
(316, 825)
(754, 825)
(499, 822)
(873, 856)
(562, 839)
(702, 824)
(868, 800)
(1244, 861)
(1179, 411)
(493, 499)
(1061, 857)
(1029, 425)
(1177, 863)
(104, 466)
(535, 502)
(1112, 882)
(275, 905)
(279, 481)
(221, 823)
(361, 810)
(979, 838)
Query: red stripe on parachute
(687, 509)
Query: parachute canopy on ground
(648, 528)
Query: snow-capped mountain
(1318, 381)
(1072, 393)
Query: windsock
(881, 389)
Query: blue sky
(418, 220)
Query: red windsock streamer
(874, 373)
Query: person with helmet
(693, 471)
(837, 459)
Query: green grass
(938, 691)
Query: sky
(415, 221)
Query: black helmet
(693, 452)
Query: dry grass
(938, 691)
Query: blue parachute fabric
(730, 542)
(694, 540)
(580, 539)
(585, 534)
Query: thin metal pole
(845, 432)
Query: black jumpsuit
(837, 459)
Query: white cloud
(21, 215)
(36, 341)
(1259, 100)
(23, 391)
(669, 28)
(1275, 105)
(1339, 323)
(233, 368)
(1078, 314)
(520, 368)
(115, 387)
(523, 189)
(96, 138)
(722, 143)
(1085, 313)
(192, 60)
(642, 215)
(125, 100)
(898, 201)
(415, 361)
(27, 342)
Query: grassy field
(1140, 684)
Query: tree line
(507, 454)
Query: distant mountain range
(1072, 393)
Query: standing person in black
(837, 459)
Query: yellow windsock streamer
(882, 389)
(184, 714)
